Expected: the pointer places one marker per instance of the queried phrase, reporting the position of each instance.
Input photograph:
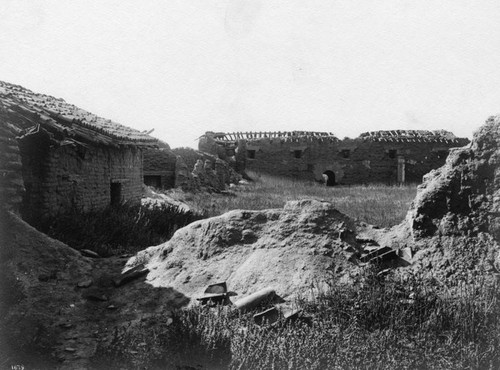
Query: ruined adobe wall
(380, 157)
(60, 178)
(351, 161)
(300, 158)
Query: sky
(189, 66)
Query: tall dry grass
(377, 323)
(376, 204)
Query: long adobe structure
(396, 156)
(57, 157)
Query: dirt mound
(455, 217)
(305, 244)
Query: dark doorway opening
(116, 193)
(154, 181)
(330, 178)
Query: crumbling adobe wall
(462, 198)
(206, 172)
(232, 152)
(453, 225)
(60, 178)
(159, 168)
(381, 156)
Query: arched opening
(329, 178)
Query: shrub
(124, 228)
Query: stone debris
(255, 299)
(216, 294)
(95, 296)
(89, 253)
(267, 317)
(379, 254)
(84, 283)
(130, 275)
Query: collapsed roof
(421, 136)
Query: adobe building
(64, 156)
(390, 157)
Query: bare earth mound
(305, 244)
(455, 218)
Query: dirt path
(104, 307)
(65, 303)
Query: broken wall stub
(159, 168)
(382, 156)
(207, 171)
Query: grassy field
(380, 205)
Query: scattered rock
(89, 253)
(129, 275)
(84, 283)
(95, 296)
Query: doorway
(116, 193)
(329, 178)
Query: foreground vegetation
(377, 323)
(378, 204)
(123, 228)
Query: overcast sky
(189, 66)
